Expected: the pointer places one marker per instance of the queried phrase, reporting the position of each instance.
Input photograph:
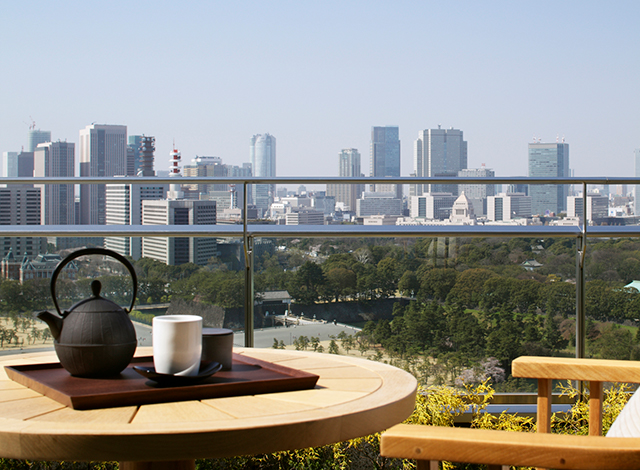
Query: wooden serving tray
(248, 376)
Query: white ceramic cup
(177, 344)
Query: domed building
(462, 211)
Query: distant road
(263, 337)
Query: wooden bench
(429, 444)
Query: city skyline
(226, 72)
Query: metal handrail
(249, 231)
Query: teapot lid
(96, 303)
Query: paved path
(263, 337)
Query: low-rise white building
(508, 206)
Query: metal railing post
(581, 249)
(248, 275)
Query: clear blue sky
(318, 75)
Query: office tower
(25, 165)
(548, 161)
(477, 193)
(636, 191)
(597, 207)
(203, 166)
(508, 206)
(133, 153)
(518, 188)
(103, 152)
(20, 205)
(144, 163)
(385, 158)
(243, 171)
(10, 164)
(56, 159)
(124, 207)
(378, 203)
(438, 152)
(124, 201)
(175, 251)
(263, 163)
(348, 167)
(17, 164)
(37, 137)
(432, 206)
(304, 216)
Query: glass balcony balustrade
(249, 231)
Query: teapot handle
(93, 251)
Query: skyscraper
(175, 251)
(263, 163)
(124, 201)
(103, 152)
(438, 152)
(349, 167)
(56, 159)
(548, 161)
(385, 157)
(37, 137)
(10, 164)
(20, 205)
(133, 154)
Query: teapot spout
(54, 322)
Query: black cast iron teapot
(95, 338)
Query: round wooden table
(353, 397)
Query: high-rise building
(203, 166)
(385, 158)
(56, 159)
(597, 207)
(124, 201)
(124, 207)
(144, 162)
(548, 161)
(37, 137)
(175, 251)
(263, 163)
(477, 193)
(133, 154)
(20, 205)
(438, 152)
(103, 152)
(25, 165)
(10, 164)
(432, 206)
(378, 203)
(348, 167)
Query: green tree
(551, 337)
(341, 283)
(558, 298)
(467, 290)
(466, 333)
(437, 283)
(408, 284)
(505, 343)
(614, 342)
(387, 274)
(307, 283)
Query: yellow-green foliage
(440, 405)
(577, 420)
